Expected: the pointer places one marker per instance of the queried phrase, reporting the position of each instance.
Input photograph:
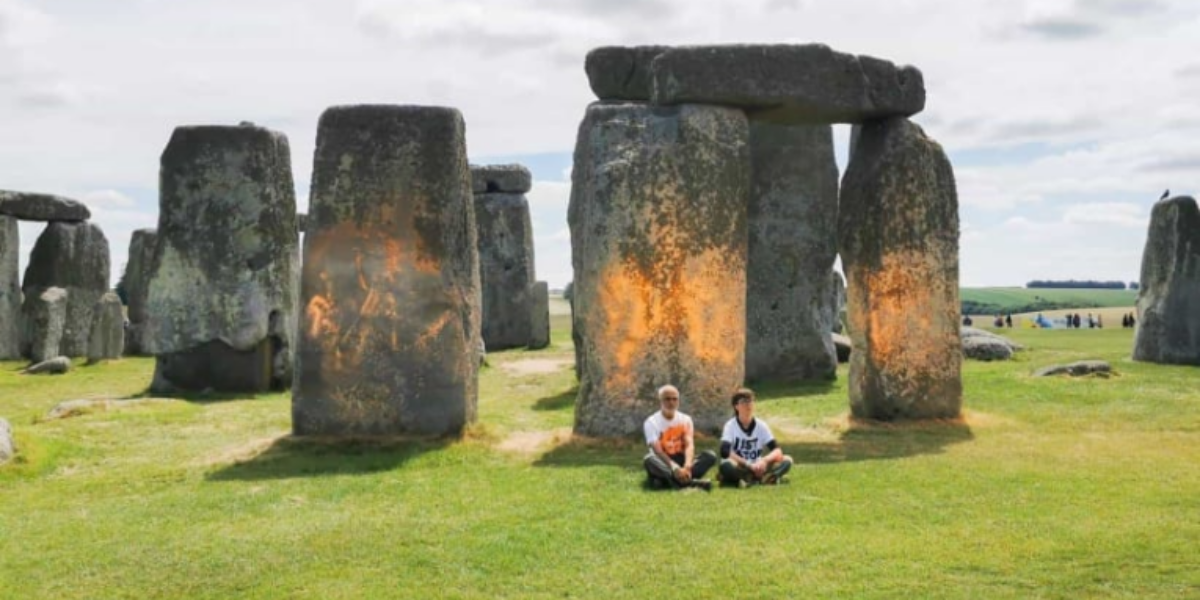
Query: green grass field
(1049, 488)
(985, 301)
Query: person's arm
(774, 453)
(689, 451)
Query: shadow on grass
(883, 441)
(863, 440)
(205, 397)
(774, 390)
(557, 401)
(581, 451)
(291, 456)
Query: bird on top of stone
(1166, 192)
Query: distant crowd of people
(1072, 320)
(998, 322)
(1096, 322)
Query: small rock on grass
(55, 366)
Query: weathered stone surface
(42, 319)
(54, 366)
(138, 269)
(75, 257)
(621, 72)
(839, 301)
(107, 338)
(7, 448)
(971, 332)
(806, 83)
(29, 206)
(10, 289)
(1076, 369)
(792, 224)
(505, 238)
(985, 348)
(658, 236)
(216, 366)
(226, 262)
(502, 179)
(539, 315)
(898, 230)
(843, 346)
(1168, 303)
(390, 331)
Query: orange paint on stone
(382, 265)
(685, 309)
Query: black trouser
(657, 468)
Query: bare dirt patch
(530, 442)
(536, 366)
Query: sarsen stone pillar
(898, 232)
(658, 235)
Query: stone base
(216, 366)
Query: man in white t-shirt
(749, 453)
(670, 434)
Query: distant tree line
(1071, 283)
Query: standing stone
(10, 289)
(137, 290)
(510, 179)
(792, 223)
(839, 300)
(222, 286)
(42, 319)
(107, 339)
(658, 238)
(505, 238)
(898, 230)
(1168, 303)
(539, 315)
(75, 257)
(389, 335)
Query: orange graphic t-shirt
(672, 434)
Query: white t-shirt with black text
(748, 444)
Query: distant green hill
(989, 301)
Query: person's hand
(759, 468)
(683, 475)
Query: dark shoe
(703, 484)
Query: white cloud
(107, 199)
(1123, 214)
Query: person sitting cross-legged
(672, 461)
(749, 453)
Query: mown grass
(1049, 488)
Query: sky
(1064, 119)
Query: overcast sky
(1065, 119)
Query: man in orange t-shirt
(672, 460)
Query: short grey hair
(664, 389)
